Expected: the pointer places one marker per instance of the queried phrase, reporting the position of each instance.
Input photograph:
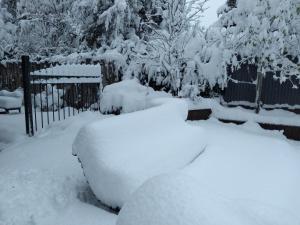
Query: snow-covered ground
(255, 170)
(40, 181)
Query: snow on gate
(57, 92)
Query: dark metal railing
(49, 98)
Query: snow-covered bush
(168, 56)
(120, 153)
(127, 96)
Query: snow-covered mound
(250, 167)
(177, 199)
(120, 153)
(127, 96)
(174, 200)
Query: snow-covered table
(10, 100)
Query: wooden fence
(11, 73)
(10, 76)
(273, 93)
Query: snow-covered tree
(265, 33)
(7, 32)
(163, 56)
(44, 28)
(101, 22)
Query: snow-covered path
(40, 180)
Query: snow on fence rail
(58, 91)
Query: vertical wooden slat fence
(273, 93)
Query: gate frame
(30, 116)
(27, 95)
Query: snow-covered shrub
(127, 96)
(120, 153)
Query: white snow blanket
(10, 100)
(245, 176)
(127, 96)
(120, 153)
(178, 199)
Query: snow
(73, 70)
(274, 116)
(250, 165)
(161, 169)
(176, 199)
(10, 100)
(120, 153)
(86, 80)
(40, 180)
(51, 98)
(127, 96)
(246, 175)
(16, 94)
(10, 130)
(179, 199)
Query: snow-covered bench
(118, 154)
(11, 100)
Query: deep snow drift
(120, 153)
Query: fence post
(258, 91)
(27, 95)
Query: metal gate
(54, 92)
